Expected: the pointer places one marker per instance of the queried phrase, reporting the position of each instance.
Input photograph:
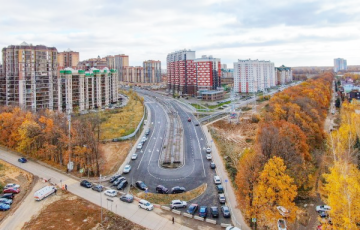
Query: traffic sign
(253, 220)
(226, 180)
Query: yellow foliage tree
(274, 188)
(342, 189)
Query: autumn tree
(274, 188)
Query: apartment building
(121, 61)
(29, 76)
(253, 75)
(81, 90)
(98, 63)
(340, 64)
(133, 74)
(110, 60)
(152, 71)
(207, 72)
(283, 75)
(68, 58)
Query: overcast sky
(289, 32)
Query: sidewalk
(237, 217)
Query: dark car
(85, 184)
(127, 198)
(220, 188)
(197, 124)
(177, 189)
(214, 211)
(114, 178)
(212, 165)
(11, 190)
(122, 185)
(189, 119)
(141, 185)
(98, 188)
(225, 211)
(203, 211)
(4, 207)
(118, 181)
(323, 214)
(162, 189)
(7, 196)
(22, 160)
(192, 209)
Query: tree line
(281, 164)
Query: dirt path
(27, 209)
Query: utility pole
(101, 203)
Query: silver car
(127, 169)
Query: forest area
(44, 135)
(281, 165)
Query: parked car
(6, 201)
(139, 146)
(98, 188)
(281, 224)
(147, 132)
(178, 204)
(208, 150)
(203, 211)
(189, 119)
(214, 211)
(11, 190)
(127, 198)
(192, 209)
(220, 188)
(85, 184)
(217, 180)
(162, 189)
(114, 178)
(7, 196)
(12, 185)
(197, 124)
(323, 214)
(283, 211)
(117, 182)
(22, 160)
(225, 211)
(111, 192)
(127, 169)
(146, 205)
(134, 156)
(143, 139)
(141, 185)
(212, 165)
(208, 156)
(4, 207)
(122, 185)
(177, 189)
(323, 208)
(222, 198)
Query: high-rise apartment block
(253, 75)
(98, 63)
(29, 76)
(81, 90)
(340, 64)
(110, 60)
(187, 75)
(283, 75)
(68, 59)
(152, 71)
(133, 74)
(121, 60)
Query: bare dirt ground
(12, 174)
(71, 212)
(113, 155)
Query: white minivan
(217, 180)
(146, 205)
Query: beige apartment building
(152, 71)
(133, 74)
(68, 58)
(121, 61)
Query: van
(146, 205)
(217, 180)
(44, 192)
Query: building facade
(29, 76)
(110, 60)
(81, 90)
(68, 58)
(253, 75)
(152, 71)
(133, 74)
(340, 64)
(207, 72)
(121, 61)
(98, 63)
(283, 75)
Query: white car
(12, 186)
(208, 156)
(146, 205)
(208, 150)
(283, 211)
(143, 139)
(134, 156)
(323, 208)
(232, 228)
(217, 180)
(139, 146)
(110, 192)
(281, 224)
(127, 169)
(178, 204)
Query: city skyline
(306, 33)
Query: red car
(12, 190)
(189, 119)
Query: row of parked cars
(6, 199)
(203, 211)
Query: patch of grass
(165, 199)
(218, 105)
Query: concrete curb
(165, 208)
(198, 218)
(176, 212)
(225, 225)
(187, 215)
(210, 221)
